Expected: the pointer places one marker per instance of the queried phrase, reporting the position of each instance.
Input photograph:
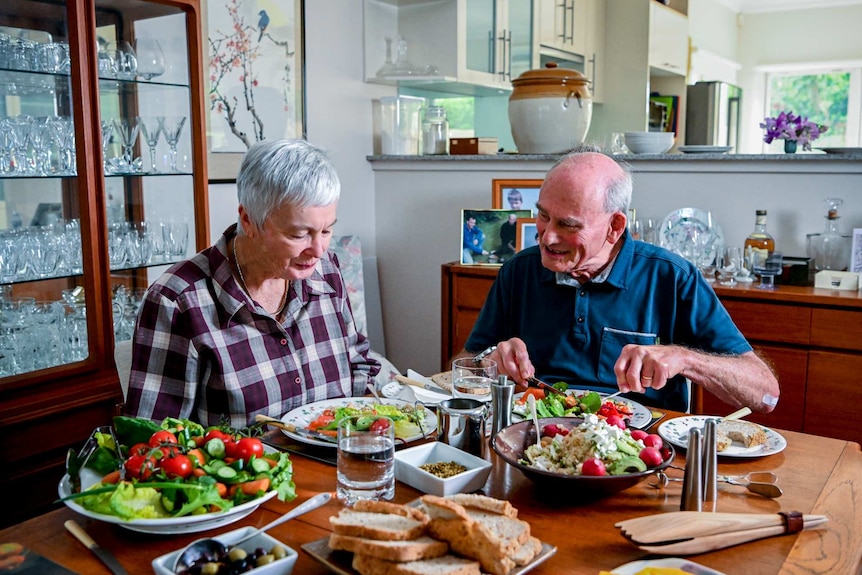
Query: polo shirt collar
(616, 273)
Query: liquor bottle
(759, 240)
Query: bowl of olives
(259, 555)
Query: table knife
(103, 554)
(294, 429)
(415, 383)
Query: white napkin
(425, 396)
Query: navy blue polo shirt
(576, 333)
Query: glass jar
(435, 131)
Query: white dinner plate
(165, 526)
(705, 149)
(302, 416)
(679, 228)
(675, 431)
(640, 419)
(668, 562)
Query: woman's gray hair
(278, 172)
(618, 196)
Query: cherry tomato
(177, 466)
(651, 456)
(248, 447)
(140, 449)
(379, 425)
(140, 466)
(552, 430)
(617, 421)
(162, 437)
(653, 440)
(593, 467)
(638, 434)
(217, 433)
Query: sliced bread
(443, 565)
(421, 548)
(747, 433)
(476, 501)
(393, 523)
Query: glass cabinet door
(145, 173)
(481, 42)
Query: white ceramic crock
(550, 110)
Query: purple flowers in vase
(797, 129)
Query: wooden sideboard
(811, 336)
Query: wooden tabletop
(818, 475)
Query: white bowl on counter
(407, 470)
(164, 565)
(649, 142)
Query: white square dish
(407, 462)
(164, 565)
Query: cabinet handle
(571, 26)
(593, 64)
(564, 9)
(509, 50)
(503, 59)
(491, 66)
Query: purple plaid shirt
(204, 349)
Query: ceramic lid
(551, 74)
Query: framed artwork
(527, 234)
(489, 236)
(254, 65)
(515, 194)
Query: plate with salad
(172, 477)
(580, 402)
(412, 421)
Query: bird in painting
(262, 24)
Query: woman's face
(293, 239)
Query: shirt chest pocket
(613, 341)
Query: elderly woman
(260, 322)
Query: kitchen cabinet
(812, 337)
(472, 47)
(668, 40)
(88, 214)
(572, 33)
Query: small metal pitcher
(461, 423)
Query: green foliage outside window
(820, 97)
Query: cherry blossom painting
(254, 68)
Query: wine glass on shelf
(128, 129)
(151, 58)
(124, 62)
(767, 266)
(151, 128)
(172, 126)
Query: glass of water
(472, 379)
(366, 459)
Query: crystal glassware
(151, 58)
(128, 129)
(172, 126)
(767, 266)
(124, 62)
(151, 128)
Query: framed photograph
(527, 234)
(515, 194)
(489, 236)
(254, 64)
(856, 251)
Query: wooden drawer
(470, 292)
(790, 367)
(834, 395)
(840, 329)
(761, 321)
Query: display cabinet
(102, 185)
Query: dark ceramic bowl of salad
(512, 442)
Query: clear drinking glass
(151, 58)
(730, 261)
(128, 129)
(172, 126)
(472, 379)
(124, 62)
(767, 266)
(151, 128)
(366, 459)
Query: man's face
(574, 230)
(513, 219)
(470, 223)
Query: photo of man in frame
(489, 236)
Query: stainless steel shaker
(502, 394)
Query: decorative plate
(640, 419)
(675, 431)
(168, 525)
(669, 562)
(302, 416)
(705, 149)
(687, 231)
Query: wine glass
(124, 62)
(151, 58)
(128, 129)
(767, 266)
(172, 126)
(729, 262)
(151, 128)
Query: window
(827, 94)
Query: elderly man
(596, 309)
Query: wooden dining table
(818, 475)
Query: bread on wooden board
(389, 522)
(444, 565)
(422, 547)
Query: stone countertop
(855, 157)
